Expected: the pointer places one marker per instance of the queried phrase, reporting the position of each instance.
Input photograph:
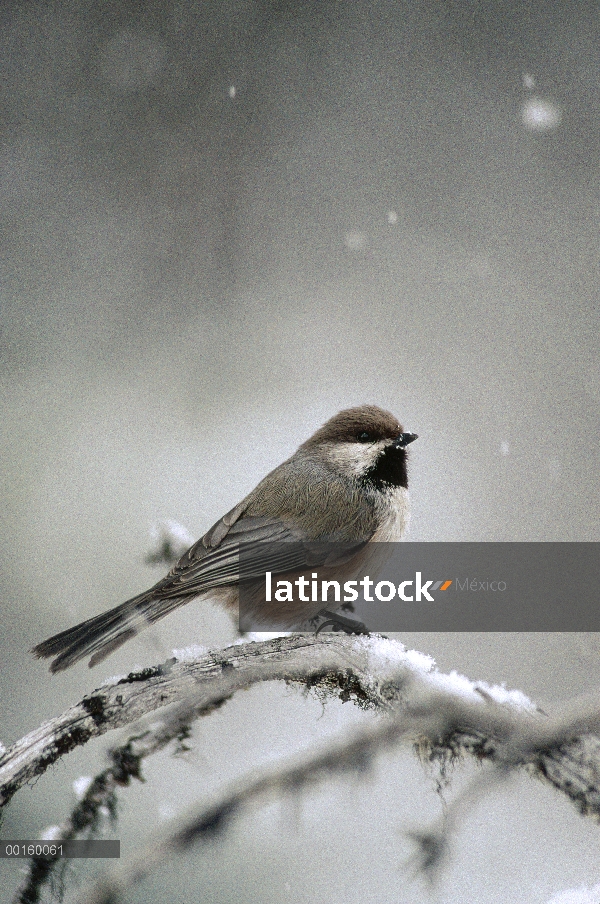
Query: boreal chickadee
(347, 485)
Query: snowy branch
(334, 664)
(374, 672)
(443, 716)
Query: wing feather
(267, 544)
(277, 544)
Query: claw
(341, 623)
(322, 626)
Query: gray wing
(275, 543)
(267, 544)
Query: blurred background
(221, 223)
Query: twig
(445, 715)
(442, 720)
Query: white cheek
(355, 458)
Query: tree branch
(371, 671)
(506, 735)
(333, 664)
(445, 716)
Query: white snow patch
(514, 698)
(81, 785)
(455, 683)
(191, 653)
(383, 652)
(114, 679)
(420, 660)
(458, 684)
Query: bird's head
(366, 443)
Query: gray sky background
(220, 223)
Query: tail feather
(104, 633)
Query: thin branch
(444, 715)
(442, 720)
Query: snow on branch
(335, 665)
(489, 722)
(443, 716)
(445, 713)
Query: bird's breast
(394, 515)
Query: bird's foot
(341, 623)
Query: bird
(347, 485)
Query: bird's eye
(364, 437)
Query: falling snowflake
(528, 81)
(538, 115)
(355, 241)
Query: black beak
(404, 439)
